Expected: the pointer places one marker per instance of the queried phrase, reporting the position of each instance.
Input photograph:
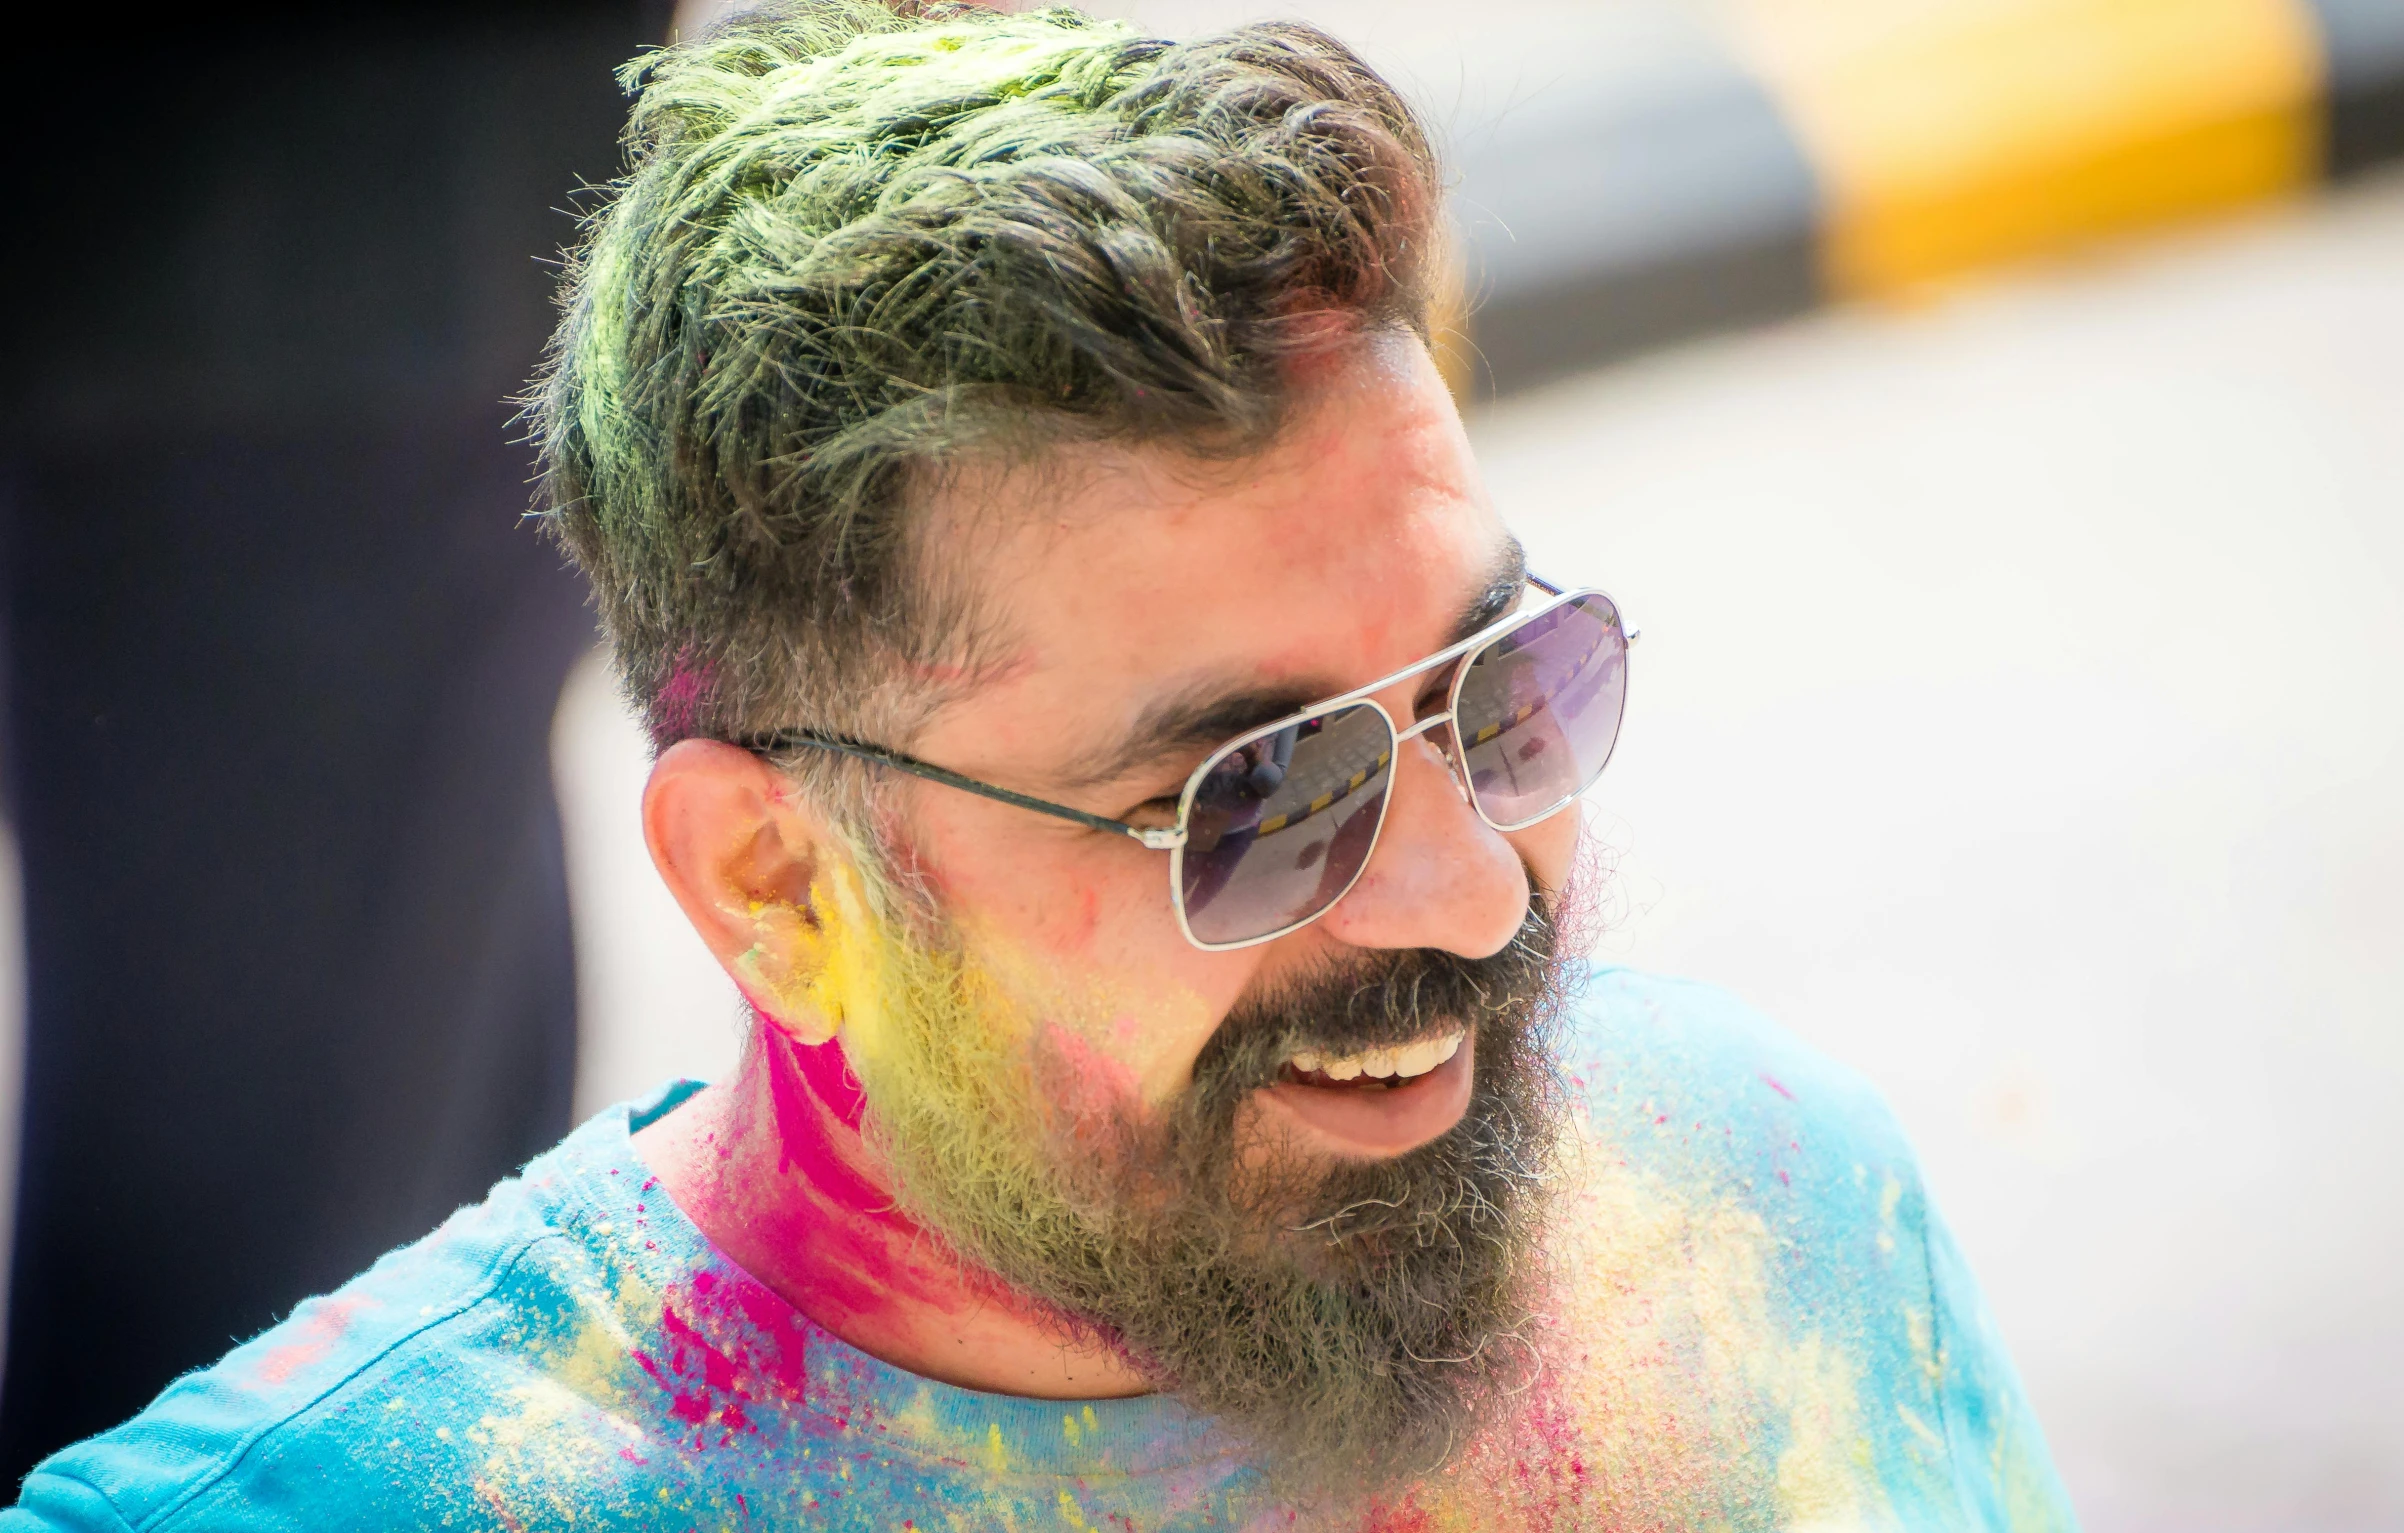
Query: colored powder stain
(1079, 930)
(1928, 1435)
(1919, 1329)
(324, 1325)
(1081, 1082)
(1671, 1367)
(828, 1075)
(500, 1510)
(1827, 1475)
(726, 1347)
(682, 696)
(1776, 1085)
(854, 1224)
(1409, 1517)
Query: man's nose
(1440, 876)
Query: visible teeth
(1400, 1062)
(1419, 1058)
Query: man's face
(1140, 584)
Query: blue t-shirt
(1762, 1325)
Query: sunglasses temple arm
(1159, 840)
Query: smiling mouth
(1376, 1102)
(1387, 1067)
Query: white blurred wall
(2020, 717)
(653, 1004)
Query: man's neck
(772, 1169)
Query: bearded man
(1118, 749)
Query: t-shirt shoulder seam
(502, 1264)
(1938, 1337)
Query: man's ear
(741, 851)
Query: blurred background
(1992, 411)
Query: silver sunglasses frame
(1172, 839)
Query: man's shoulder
(1695, 1101)
(1756, 1305)
(293, 1426)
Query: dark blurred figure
(281, 659)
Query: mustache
(1378, 1000)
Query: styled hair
(860, 242)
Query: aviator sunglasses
(1279, 823)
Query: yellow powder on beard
(946, 1050)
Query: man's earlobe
(779, 972)
(742, 857)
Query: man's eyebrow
(1209, 715)
(1504, 582)
(1204, 716)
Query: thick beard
(1348, 1322)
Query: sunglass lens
(1539, 710)
(1282, 824)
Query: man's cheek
(1160, 1040)
(1083, 1087)
(1107, 915)
(1551, 848)
(1100, 1046)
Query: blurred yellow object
(1949, 134)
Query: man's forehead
(1205, 709)
(1131, 596)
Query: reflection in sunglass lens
(1282, 824)
(1539, 710)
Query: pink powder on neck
(860, 1253)
(827, 1074)
(818, 1105)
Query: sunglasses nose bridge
(1432, 721)
(1447, 747)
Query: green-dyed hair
(859, 241)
